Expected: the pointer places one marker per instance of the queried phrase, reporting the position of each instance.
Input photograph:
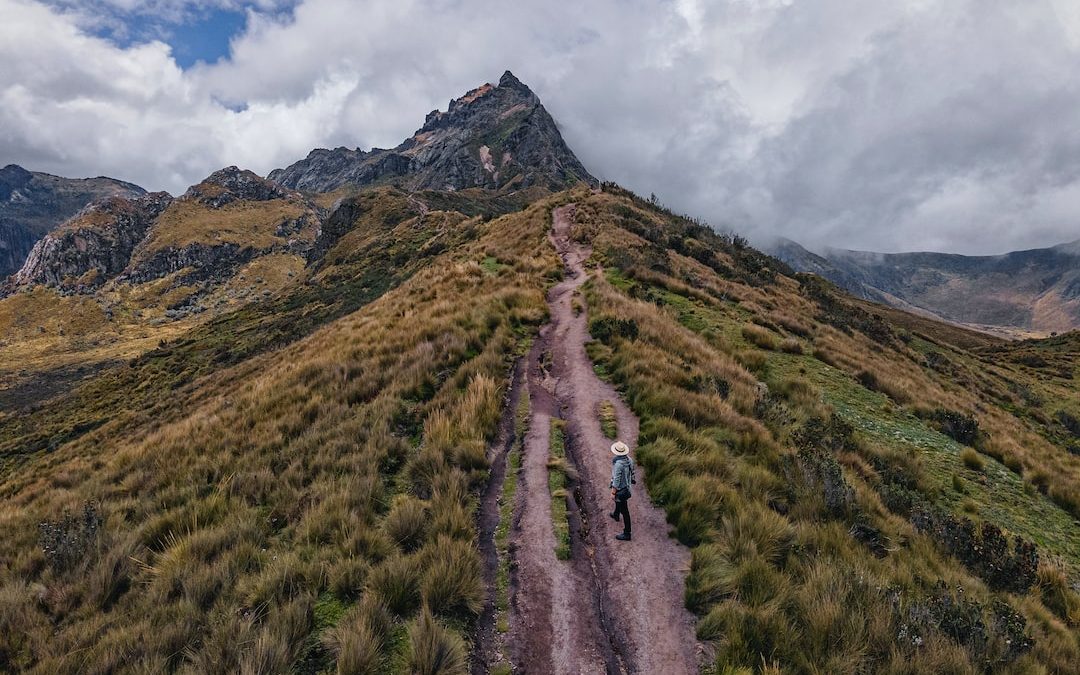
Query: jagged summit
(494, 136)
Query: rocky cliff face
(495, 136)
(92, 247)
(233, 184)
(1036, 290)
(33, 203)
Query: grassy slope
(778, 576)
(254, 500)
(251, 224)
(289, 484)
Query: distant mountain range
(498, 138)
(33, 203)
(1036, 291)
(201, 251)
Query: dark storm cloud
(878, 124)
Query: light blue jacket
(622, 472)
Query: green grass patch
(1001, 495)
(491, 265)
(608, 424)
(506, 512)
(557, 484)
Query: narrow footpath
(613, 607)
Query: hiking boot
(623, 537)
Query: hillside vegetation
(307, 505)
(290, 484)
(859, 497)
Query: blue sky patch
(194, 33)
(206, 38)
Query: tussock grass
(760, 337)
(260, 479)
(971, 459)
(795, 560)
(507, 502)
(434, 649)
(251, 511)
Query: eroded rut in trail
(613, 607)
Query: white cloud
(878, 124)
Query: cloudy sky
(948, 125)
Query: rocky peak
(13, 177)
(233, 184)
(494, 136)
(508, 81)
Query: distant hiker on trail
(622, 477)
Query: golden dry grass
(251, 224)
(778, 579)
(286, 486)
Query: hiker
(622, 477)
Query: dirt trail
(614, 607)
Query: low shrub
(1071, 423)
(606, 329)
(984, 550)
(992, 636)
(69, 540)
(956, 425)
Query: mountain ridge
(1036, 290)
(33, 202)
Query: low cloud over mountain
(887, 126)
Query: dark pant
(621, 510)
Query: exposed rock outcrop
(495, 136)
(232, 184)
(33, 203)
(92, 247)
(222, 222)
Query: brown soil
(614, 607)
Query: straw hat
(619, 448)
